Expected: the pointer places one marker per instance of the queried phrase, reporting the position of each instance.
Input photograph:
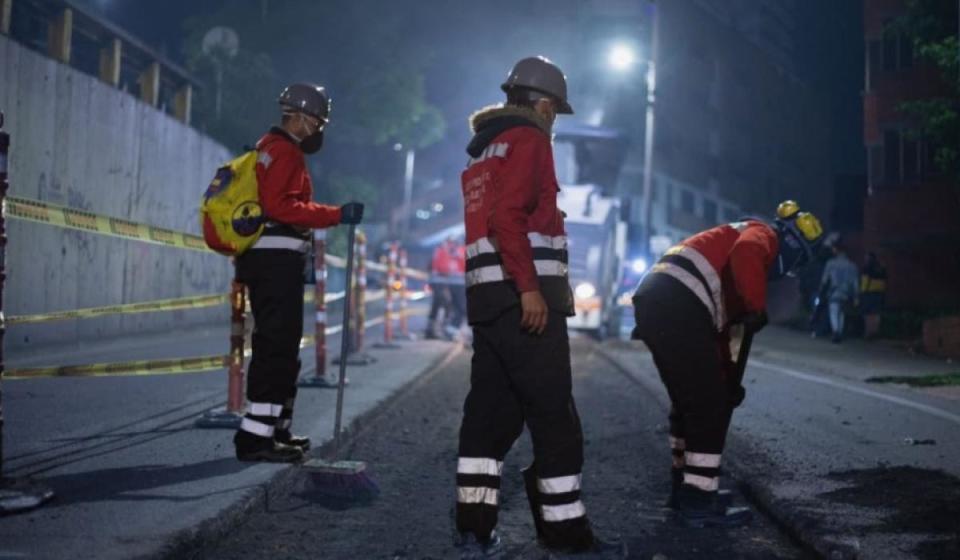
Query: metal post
(407, 192)
(358, 313)
(16, 495)
(404, 325)
(231, 416)
(392, 257)
(360, 301)
(647, 205)
(319, 378)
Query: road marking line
(931, 410)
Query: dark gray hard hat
(539, 74)
(306, 98)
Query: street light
(621, 57)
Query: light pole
(407, 189)
(621, 58)
(647, 200)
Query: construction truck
(588, 161)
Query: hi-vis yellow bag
(230, 213)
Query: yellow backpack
(230, 213)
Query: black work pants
(520, 378)
(685, 345)
(274, 280)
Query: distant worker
(518, 301)
(685, 309)
(873, 292)
(840, 283)
(458, 289)
(273, 273)
(440, 268)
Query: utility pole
(647, 199)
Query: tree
(932, 25)
(369, 65)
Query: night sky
(830, 55)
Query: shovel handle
(344, 338)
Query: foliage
(932, 25)
(374, 78)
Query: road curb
(190, 543)
(803, 529)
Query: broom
(339, 478)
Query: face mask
(312, 144)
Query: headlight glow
(639, 265)
(584, 290)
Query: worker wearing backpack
(272, 269)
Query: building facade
(912, 211)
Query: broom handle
(344, 338)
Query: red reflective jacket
(286, 192)
(514, 231)
(726, 268)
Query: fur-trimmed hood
(489, 122)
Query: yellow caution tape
(46, 213)
(158, 367)
(194, 302)
(139, 367)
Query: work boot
(471, 548)
(698, 508)
(724, 496)
(287, 438)
(250, 447)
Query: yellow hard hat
(787, 209)
(808, 225)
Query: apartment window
(897, 50)
(687, 202)
(903, 158)
(710, 212)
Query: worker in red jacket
(441, 266)
(685, 309)
(273, 269)
(518, 301)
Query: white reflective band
(691, 282)
(264, 409)
(702, 482)
(264, 158)
(550, 242)
(493, 150)
(479, 465)
(477, 495)
(706, 460)
(482, 245)
(709, 274)
(559, 484)
(281, 242)
(322, 317)
(563, 512)
(256, 428)
(485, 274)
(496, 273)
(320, 234)
(678, 443)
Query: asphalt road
(855, 469)
(411, 449)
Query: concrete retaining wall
(78, 142)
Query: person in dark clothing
(273, 271)
(518, 301)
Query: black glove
(351, 213)
(754, 322)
